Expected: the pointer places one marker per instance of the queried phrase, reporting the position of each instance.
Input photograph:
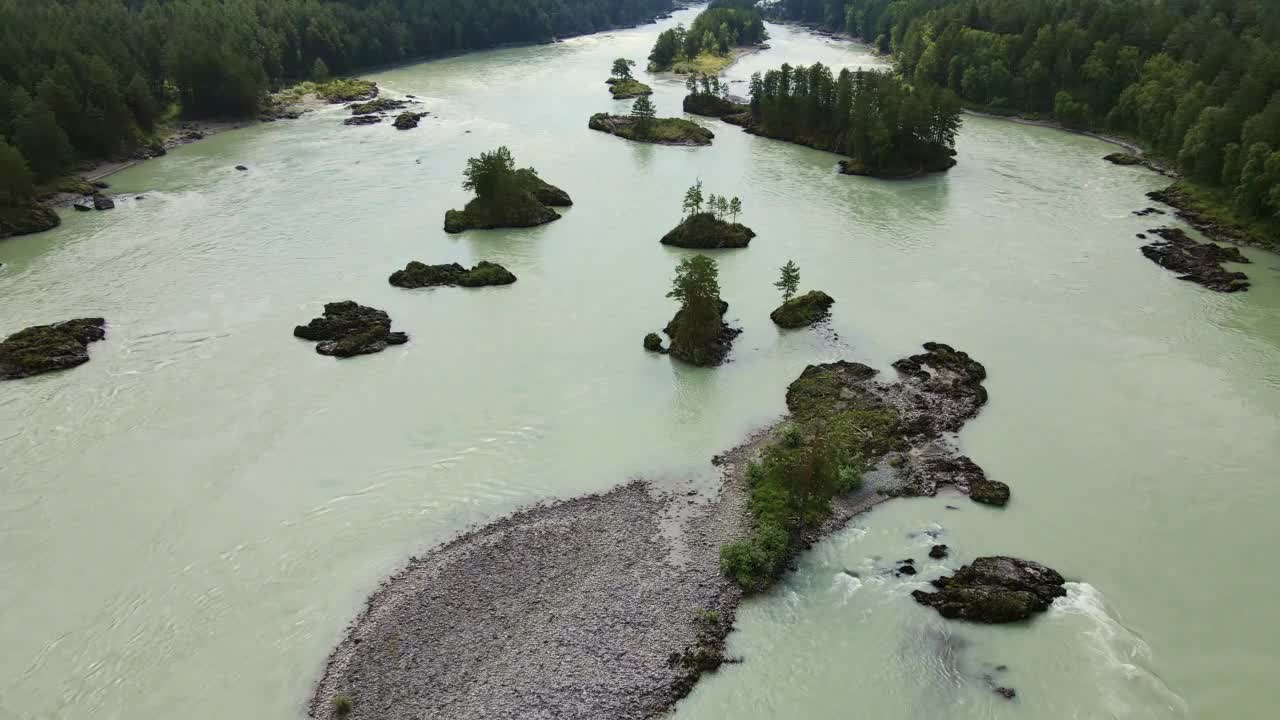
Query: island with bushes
(718, 34)
(348, 329)
(709, 223)
(624, 86)
(699, 335)
(643, 125)
(45, 348)
(798, 311)
(420, 275)
(505, 197)
(887, 127)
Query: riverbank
(612, 605)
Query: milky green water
(188, 522)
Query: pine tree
(15, 177)
(643, 111)
(622, 68)
(319, 70)
(693, 199)
(488, 175)
(789, 281)
(43, 142)
(735, 207)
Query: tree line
(724, 25)
(1197, 81)
(90, 79)
(885, 124)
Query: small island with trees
(643, 125)
(420, 275)
(704, 226)
(699, 335)
(710, 97)
(505, 197)
(622, 85)
(802, 311)
(712, 42)
(887, 127)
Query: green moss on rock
(347, 329)
(513, 210)
(704, 231)
(46, 348)
(803, 311)
(419, 275)
(543, 191)
(26, 219)
(661, 131)
(626, 89)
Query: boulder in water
(997, 589)
(348, 329)
(45, 348)
(419, 275)
(803, 311)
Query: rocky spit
(610, 606)
(1197, 262)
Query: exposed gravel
(581, 609)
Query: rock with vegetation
(419, 275)
(699, 335)
(622, 85)
(408, 120)
(26, 219)
(377, 105)
(346, 90)
(46, 348)
(803, 310)
(348, 329)
(505, 197)
(709, 97)
(653, 343)
(1197, 262)
(994, 590)
(709, 223)
(1198, 209)
(661, 131)
(1123, 159)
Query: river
(189, 521)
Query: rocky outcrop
(348, 329)
(705, 231)
(408, 120)
(515, 210)
(1206, 219)
(709, 105)
(1197, 262)
(363, 120)
(661, 131)
(702, 346)
(938, 552)
(542, 191)
(939, 163)
(994, 590)
(45, 348)
(420, 275)
(803, 311)
(1123, 159)
(653, 343)
(26, 219)
(377, 105)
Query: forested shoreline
(84, 80)
(1197, 83)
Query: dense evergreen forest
(724, 25)
(888, 127)
(1196, 81)
(88, 79)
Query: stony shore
(610, 605)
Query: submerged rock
(348, 329)
(241, 168)
(1198, 262)
(419, 275)
(45, 348)
(803, 311)
(995, 589)
(705, 231)
(938, 552)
